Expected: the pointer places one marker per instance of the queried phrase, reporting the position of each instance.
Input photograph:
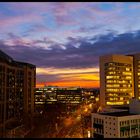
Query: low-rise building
(117, 123)
(39, 100)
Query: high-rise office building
(116, 79)
(17, 85)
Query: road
(72, 126)
(68, 127)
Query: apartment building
(17, 85)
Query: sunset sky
(65, 39)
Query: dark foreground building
(17, 85)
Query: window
(102, 121)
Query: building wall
(137, 74)
(29, 86)
(97, 131)
(11, 92)
(116, 127)
(110, 127)
(129, 126)
(16, 92)
(39, 100)
(67, 96)
(134, 106)
(116, 79)
(109, 123)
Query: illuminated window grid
(118, 80)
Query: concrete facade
(115, 125)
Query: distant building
(40, 101)
(116, 79)
(51, 94)
(60, 98)
(90, 95)
(71, 95)
(117, 123)
(17, 85)
(69, 98)
(45, 98)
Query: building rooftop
(118, 114)
(4, 57)
(26, 64)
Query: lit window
(127, 73)
(138, 85)
(114, 103)
(128, 77)
(138, 73)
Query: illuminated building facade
(59, 94)
(90, 95)
(51, 94)
(61, 98)
(39, 100)
(47, 94)
(17, 84)
(45, 98)
(68, 99)
(116, 79)
(72, 96)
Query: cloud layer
(65, 40)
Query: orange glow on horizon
(87, 84)
(83, 77)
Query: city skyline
(65, 40)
